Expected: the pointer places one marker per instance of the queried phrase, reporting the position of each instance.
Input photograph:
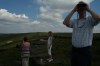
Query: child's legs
(49, 51)
(25, 61)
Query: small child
(25, 47)
(49, 45)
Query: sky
(22, 16)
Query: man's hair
(81, 4)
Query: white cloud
(52, 11)
(11, 22)
(43, 10)
(60, 5)
(97, 29)
(12, 17)
(50, 18)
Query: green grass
(10, 55)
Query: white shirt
(82, 31)
(49, 40)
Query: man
(82, 34)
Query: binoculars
(81, 4)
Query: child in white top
(49, 45)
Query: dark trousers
(81, 56)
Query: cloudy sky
(21, 16)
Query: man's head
(81, 9)
(81, 4)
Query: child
(25, 47)
(49, 45)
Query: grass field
(10, 53)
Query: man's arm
(67, 19)
(94, 15)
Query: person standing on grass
(82, 34)
(25, 47)
(49, 45)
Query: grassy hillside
(10, 53)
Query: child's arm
(43, 40)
